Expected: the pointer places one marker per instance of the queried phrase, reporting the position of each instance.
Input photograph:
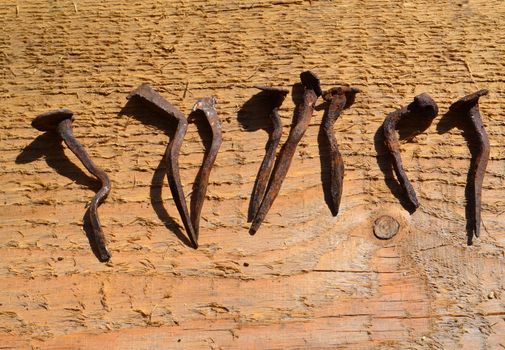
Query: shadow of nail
(50, 147)
(149, 117)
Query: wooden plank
(306, 280)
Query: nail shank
(422, 107)
(468, 107)
(207, 106)
(61, 122)
(339, 98)
(312, 90)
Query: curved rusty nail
(276, 97)
(468, 106)
(207, 106)
(339, 98)
(423, 107)
(147, 94)
(312, 90)
(60, 121)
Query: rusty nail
(147, 94)
(468, 106)
(60, 121)
(339, 98)
(312, 91)
(423, 107)
(276, 97)
(207, 106)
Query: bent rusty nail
(60, 121)
(339, 98)
(468, 106)
(207, 106)
(422, 107)
(312, 90)
(276, 97)
(147, 95)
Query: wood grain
(307, 280)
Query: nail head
(49, 121)
(386, 227)
(311, 81)
(272, 89)
(467, 102)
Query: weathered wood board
(306, 280)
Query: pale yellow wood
(307, 280)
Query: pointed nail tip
(250, 215)
(194, 241)
(104, 257)
(412, 207)
(334, 209)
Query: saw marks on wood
(307, 279)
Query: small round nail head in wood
(386, 227)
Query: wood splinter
(312, 90)
(339, 99)
(424, 108)
(61, 121)
(468, 107)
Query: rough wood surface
(307, 279)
